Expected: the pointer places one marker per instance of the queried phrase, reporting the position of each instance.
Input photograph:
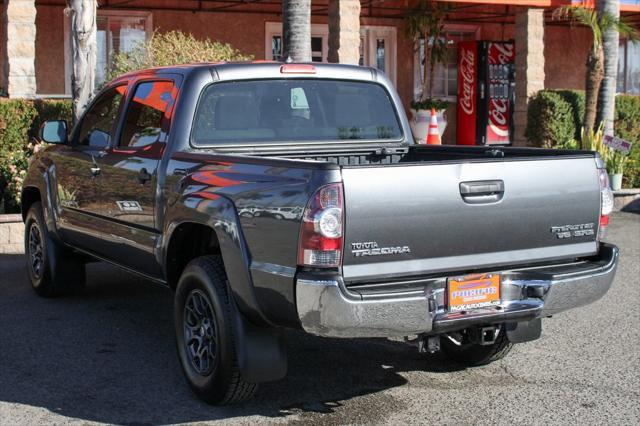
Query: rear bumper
(326, 307)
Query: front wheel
(204, 323)
(53, 270)
(460, 349)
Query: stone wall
(529, 65)
(19, 51)
(11, 234)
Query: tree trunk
(83, 51)
(611, 41)
(594, 78)
(432, 76)
(426, 89)
(296, 30)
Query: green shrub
(19, 123)
(550, 121)
(627, 126)
(575, 98)
(173, 48)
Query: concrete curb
(11, 234)
(627, 200)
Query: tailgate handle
(482, 191)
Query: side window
(98, 124)
(147, 117)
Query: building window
(445, 83)
(319, 42)
(377, 45)
(117, 31)
(628, 79)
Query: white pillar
(19, 74)
(344, 31)
(529, 65)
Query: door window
(98, 124)
(147, 118)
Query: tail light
(606, 198)
(320, 243)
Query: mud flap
(261, 351)
(525, 331)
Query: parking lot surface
(108, 356)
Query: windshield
(267, 111)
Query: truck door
(77, 174)
(129, 172)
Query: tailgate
(403, 220)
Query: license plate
(473, 291)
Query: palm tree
(598, 23)
(296, 30)
(610, 45)
(83, 49)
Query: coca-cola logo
(498, 111)
(503, 52)
(467, 72)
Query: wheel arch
(218, 223)
(30, 195)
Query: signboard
(617, 144)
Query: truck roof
(261, 69)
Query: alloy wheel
(200, 334)
(36, 250)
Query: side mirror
(54, 131)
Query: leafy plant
(598, 22)
(576, 99)
(429, 103)
(20, 121)
(627, 126)
(426, 22)
(550, 122)
(616, 162)
(173, 48)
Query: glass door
(378, 49)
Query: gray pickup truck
(271, 196)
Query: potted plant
(615, 165)
(426, 23)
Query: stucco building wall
(565, 48)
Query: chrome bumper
(327, 308)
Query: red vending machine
(486, 92)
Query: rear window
(268, 111)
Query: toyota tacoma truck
(270, 196)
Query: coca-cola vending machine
(486, 92)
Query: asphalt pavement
(108, 356)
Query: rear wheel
(53, 270)
(459, 348)
(204, 323)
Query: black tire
(216, 379)
(53, 270)
(473, 354)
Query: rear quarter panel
(242, 200)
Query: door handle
(95, 171)
(144, 176)
(482, 191)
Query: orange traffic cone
(433, 135)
